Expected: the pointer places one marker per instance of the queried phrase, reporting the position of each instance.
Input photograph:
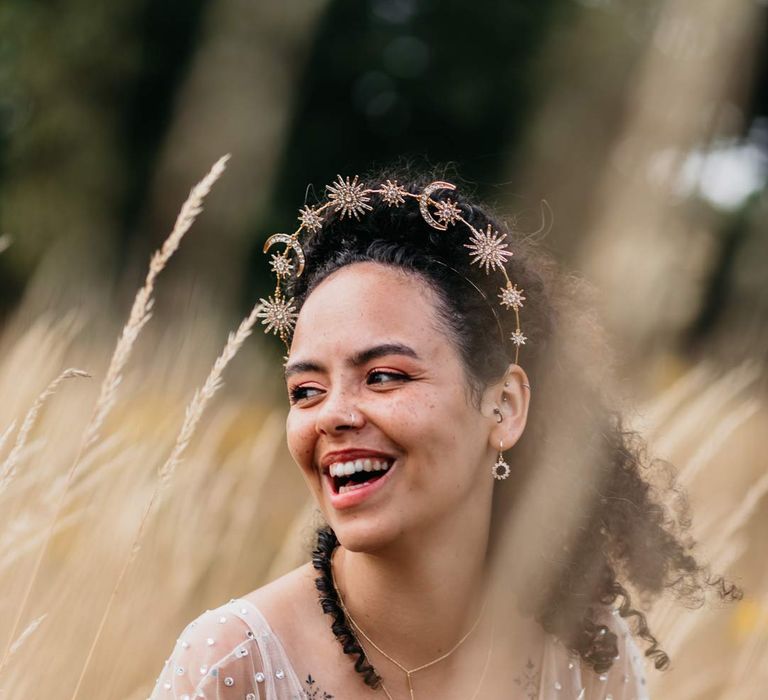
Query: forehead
(367, 303)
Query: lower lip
(349, 499)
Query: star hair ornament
(350, 198)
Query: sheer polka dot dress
(231, 653)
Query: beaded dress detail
(231, 653)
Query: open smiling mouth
(357, 474)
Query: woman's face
(372, 376)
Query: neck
(418, 597)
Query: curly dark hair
(621, 519)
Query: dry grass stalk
(703, 423)
(199, 401)
(6, 433)
(30, 540)
(143, 302)
(8, 468)
(743, 513)
(705, 407)
(750, 672)
(663, 408)
(722, 432)
(140, 314)
(25, 533)
(30, 628)
(193, 414)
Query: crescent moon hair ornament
(290, 241)
(426, 198)
(350, 198)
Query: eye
(298, 393)
(388, 377)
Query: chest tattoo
(529, 681)
(314, 692)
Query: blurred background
(632, 133)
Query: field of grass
(145, 479)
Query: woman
(427, 362)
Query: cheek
(428, 422)
(300, 436)
(452, 433)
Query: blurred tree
(583, 72)
(84, 90)
(647, 250)
(733, 319)
(237, 98)
(416, 79)
(618, 147)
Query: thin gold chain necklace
(408, 672)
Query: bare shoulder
(290, 606)
(287, 599)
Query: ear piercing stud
(527, 386)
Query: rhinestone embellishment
(277, 314)
(392, 193)
(488, 249)
(280, 265)
(511, 296)
(518, 338)
(447, 212)
(501, 469)
(349, 198)
(310, 219)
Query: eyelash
(397, 375)
(295, 394)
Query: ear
(511, 396)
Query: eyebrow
(356, 360)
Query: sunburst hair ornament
(350, 198)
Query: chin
(364, 535)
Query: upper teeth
(358, 465)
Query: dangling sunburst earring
(501, 469)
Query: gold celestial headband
(487, 248)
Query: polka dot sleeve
(228, 653)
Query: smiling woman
(401, 399)
(411, 402)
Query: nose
(338, 413)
